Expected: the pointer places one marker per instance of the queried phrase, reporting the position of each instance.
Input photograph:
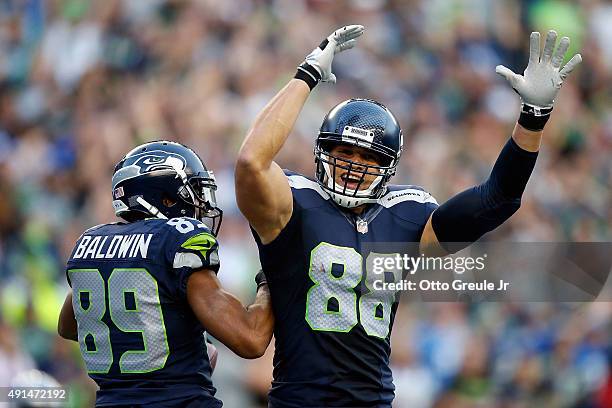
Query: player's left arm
(472, 213)
(67, 324)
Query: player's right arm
(192, 253)
(246, 331)
(262, 190)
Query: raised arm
(474, 212)
(244, 330)
(262, 190)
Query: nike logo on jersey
(202, 243)
(113, 246)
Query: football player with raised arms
(332, 330)
(144, 290)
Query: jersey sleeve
(430, 206)
(412, 203)
(191, 247)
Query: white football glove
(539, 84)
(318, 64)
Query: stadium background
(82, 82)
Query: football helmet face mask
(363, 123)
(165, 180)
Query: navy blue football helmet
(364, 123)
(165, 179)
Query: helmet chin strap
(151, 208)
(154, 211)
(180, 173)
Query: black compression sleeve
(472, 213)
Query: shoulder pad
(95, 227)
(299, 182)
(193, 244)
(290, 173)
(399, 194)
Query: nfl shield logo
(362, 226)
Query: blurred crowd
(82, 82)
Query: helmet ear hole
(168, 201)
(327, 145)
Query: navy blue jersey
(139, 338)
(332, 331)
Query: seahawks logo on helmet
(158, 160)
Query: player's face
(363, 157)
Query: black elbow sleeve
(469, 215)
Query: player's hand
(213, 355)
(539, 84)
(318, 64)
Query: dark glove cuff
(308, 74)
(260, 279)
(534, 117)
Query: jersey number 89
(89, 302)
(336, 271)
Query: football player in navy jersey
(332, 330)
(144, 290)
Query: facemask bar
(196, 191)
(331, 164)
(200, 189)
(326, 141)
(328, 164)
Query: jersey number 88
(336, 271)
